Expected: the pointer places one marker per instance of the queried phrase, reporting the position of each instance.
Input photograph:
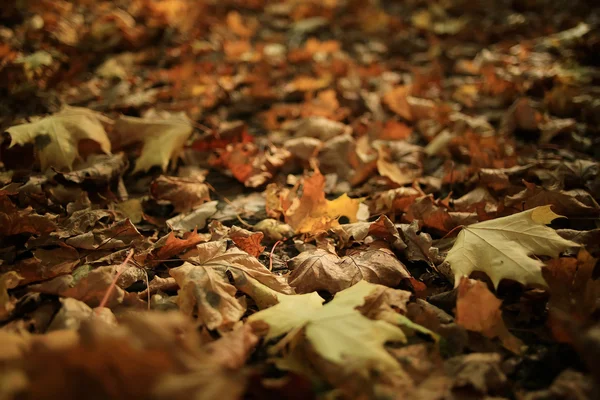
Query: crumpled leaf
(251, 165)
(96, 170)
(46, 264)
(502, 247)
(90, 285)
(320, 269)
(119, 235)
(56, 137)
(184, 193)
(163, 136)
(205, 293)
(477, 309)
(338, 332)
(205, 288)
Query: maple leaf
(322, 270)
(205, 287)
(338, 332)
(502, 247)
(163, 137)
(312, 211)
(56, 137)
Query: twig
(271, 255)
(120, 269)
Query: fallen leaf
(312, 212)
(206, 294)
(162, 135)
(90, 285)
(46, 264)
(247, 241)
(205, 289)
(8, 280)
(170, 245)
(502, 247)
(195, 219)
(338, 332)
(397, 101)
(477, 309)
(321, 270)
(56, 137)
(184, 193)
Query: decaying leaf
(205, 289)
(502, 247)
(321, 270)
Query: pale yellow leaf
(337, 331)
(162, 136)
(502, 247)
(56, 137)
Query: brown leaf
(572, 287)
(319, 269)
(396, 100)
(573, 203)
(206, 294)
(432, 216)
(477, 309)
(90, 286)
(117, 236)
(14, 221)
(249, 164)
(170, 245)
(46, 264)
(184, 193)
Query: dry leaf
(184, 193)
(163, 137)
(312, 212)
(56, 137)
(502, 247)
(477, 309)
(321, 270)
(337, 331)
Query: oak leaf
(502, 247)
(163, 137)
(337, 331)
(56, 137)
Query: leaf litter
(338, 199)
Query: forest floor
(299, 199)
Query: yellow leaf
(162, 136)
(56, 137)
(337, 331)
(312, 211)
(502, 247)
